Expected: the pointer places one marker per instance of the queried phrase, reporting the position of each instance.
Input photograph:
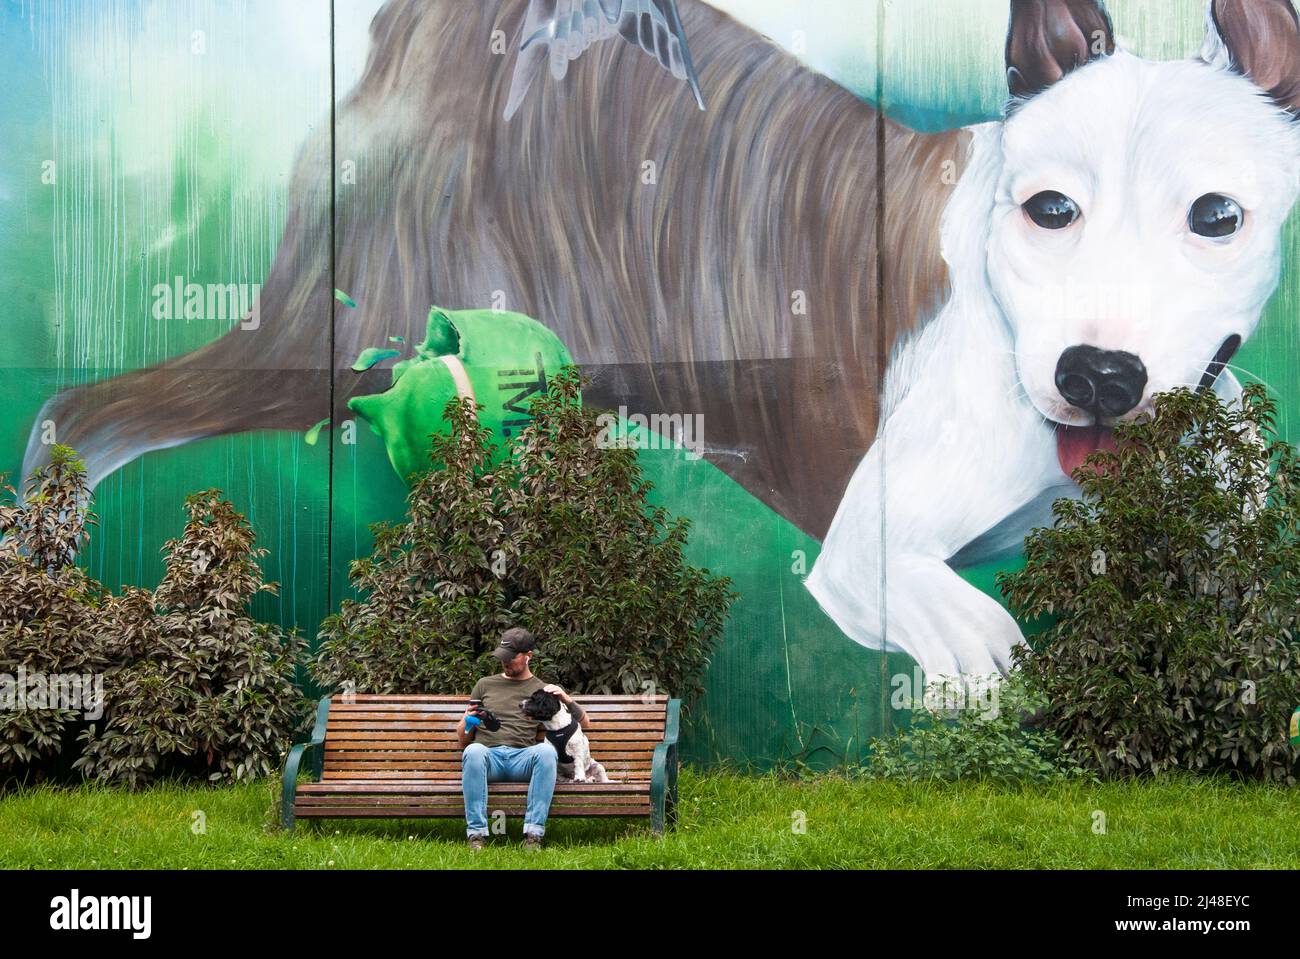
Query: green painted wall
(172, 130)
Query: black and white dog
(566, 735)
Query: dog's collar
(559, 738)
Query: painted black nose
(1103, 382)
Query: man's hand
(465, 733)
(585, 720)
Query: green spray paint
(497, 358)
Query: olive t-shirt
(503, 696)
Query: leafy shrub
(433, 604)
(595, 570)
(557, 538)
(196, 686)
(50, 610)
(996, 742)
(1175, 586)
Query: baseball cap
(513, 642)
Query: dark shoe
(477, 843)
(532, 841)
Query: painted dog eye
(1051, 210)
(1215, 215)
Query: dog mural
(676, 294)
(1092, 184)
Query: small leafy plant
(50, 609)
(196, 686)
(996, 742)
(1174, 584)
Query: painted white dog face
(1115, 236)
(1135, 232)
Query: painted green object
(1295, 727)
(313, 434)
(499, 359)
(373, 357)
(289, 784)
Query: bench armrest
(292, 762)
(663, 769)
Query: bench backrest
(402, 737)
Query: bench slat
(343, 699)
(448, 729)
(449, 746)
(565, 788)
(414, 772)
(454, 766)
(436, 735)
(450, 812)
(635, 710)
(438, 759)
(377, 740)
(363, 799)
(631, 775)
(376, 721)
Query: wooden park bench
(397, 756)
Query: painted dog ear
(1260, 39)
(1048, 38)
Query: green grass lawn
(727, 821)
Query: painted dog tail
(270, 372)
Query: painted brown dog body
(678, 295)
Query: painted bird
(561, 30)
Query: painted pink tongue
(1074, 443)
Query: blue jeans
(534, 765)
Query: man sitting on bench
(510, 753)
